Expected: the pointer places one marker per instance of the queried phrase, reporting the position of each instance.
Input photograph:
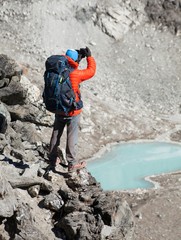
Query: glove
(81, 54)
(87, 52)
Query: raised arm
(89, 72)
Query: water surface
(126, 165)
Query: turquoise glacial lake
(126, 165)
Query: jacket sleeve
(89, 72)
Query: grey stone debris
(53, 202)
(115, 213)
(25, 225)
(5, 118)
(8, 69)
(165, 13)
(8, 200)
(74, 201)
(34, 190)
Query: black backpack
(58, 94)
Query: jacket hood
(72, 63)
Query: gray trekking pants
(72, 124)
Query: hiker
(71, 120)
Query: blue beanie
(72, 54)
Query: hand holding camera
(83, 52)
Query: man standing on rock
(72, 119)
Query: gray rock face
(14, 93)
(115, 213)
(73, 211)
(82, 225)
(88, 210)
(10, 73)
(3, 123)
(25, 225)
(117, 19)
(167, 13)
(8, 70)
(5, 118)
(83, 209)
(8, 200)
(53, 202)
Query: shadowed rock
(8, 200)
(53, 201)
(4, 118)
(166, 13)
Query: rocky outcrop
(38, 204)
(116, 19)
(10, 72)
(5, 118)
(165, 13)
(8, 200)
(79, 208)
(115, 214)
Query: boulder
(82, 225)
(8, 69)
(5, 118)
(165, 13)
(14, 93)
(34, 190)
(53, 201)
(90, 213)
(31, 113)
(8, 200)
(117, 19)
(115, 213)
(33, 92)
(26, 228)
(3, 143)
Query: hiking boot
(77, 166)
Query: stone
(46, 186)
(81, 225)
(79, 179)
(53, 201)
(31, 113)
(9, 67)
(32, 170)
(114, 212)
(25, 225)
(165, 14)
(26, 182)
(116, 20)
(73, 205)
(34, 190)
(33, 92)
(5, 118)
(3, 123)
(13, 94)
(107, 231)
(18, 154)
(7, 198)
(3, 142)
(3, 233)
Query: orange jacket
(77, 76)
